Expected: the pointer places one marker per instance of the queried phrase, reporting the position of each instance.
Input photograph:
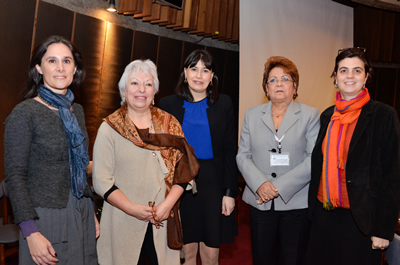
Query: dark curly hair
(351, 53)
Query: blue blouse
(196, 128)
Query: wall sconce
(111, 6)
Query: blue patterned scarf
(77, 147)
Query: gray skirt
(70, 230)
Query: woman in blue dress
(209, 125)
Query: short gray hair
(132, 69)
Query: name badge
(279, 159)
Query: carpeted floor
(236, 253)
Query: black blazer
(372, 169)
(223, 131)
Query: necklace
(151, 128)
(277, 115)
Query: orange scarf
(346, 112)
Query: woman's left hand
(379, 243)
(89, 168)
(228, 204)
(97, 225)
(162, 211)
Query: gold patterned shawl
(168, 138)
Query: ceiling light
(111, 6)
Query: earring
(211, 84)
(152, 102)
(185, 79)
(336, 86)
(295, 95)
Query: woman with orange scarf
(354, 190)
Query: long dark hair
(35, 79)
(182, 89)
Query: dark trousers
(148, 251)
(336, 240)
(278, 237)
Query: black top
(372, 169)
(223, 136)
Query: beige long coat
(139, 173)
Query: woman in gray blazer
(274, 157)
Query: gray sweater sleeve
(17, 144)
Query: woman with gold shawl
(141, 165)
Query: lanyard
(279, 142)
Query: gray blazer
(300, 128)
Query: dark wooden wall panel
(168, 65)
(117, 56)
(372, 87)
(189, 48)
(367, 30)
(16, 18)
(230, 85)
(219, 57)
(89, 36)
(385, 88)
(53, 20)
(379, 32)
(396, 40)
(145, 46)
(397, 99)
(387, 37)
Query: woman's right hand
(142, 212)
(118, 199)
(41, 250)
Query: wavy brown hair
(288, 67)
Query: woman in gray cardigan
(46, 160)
